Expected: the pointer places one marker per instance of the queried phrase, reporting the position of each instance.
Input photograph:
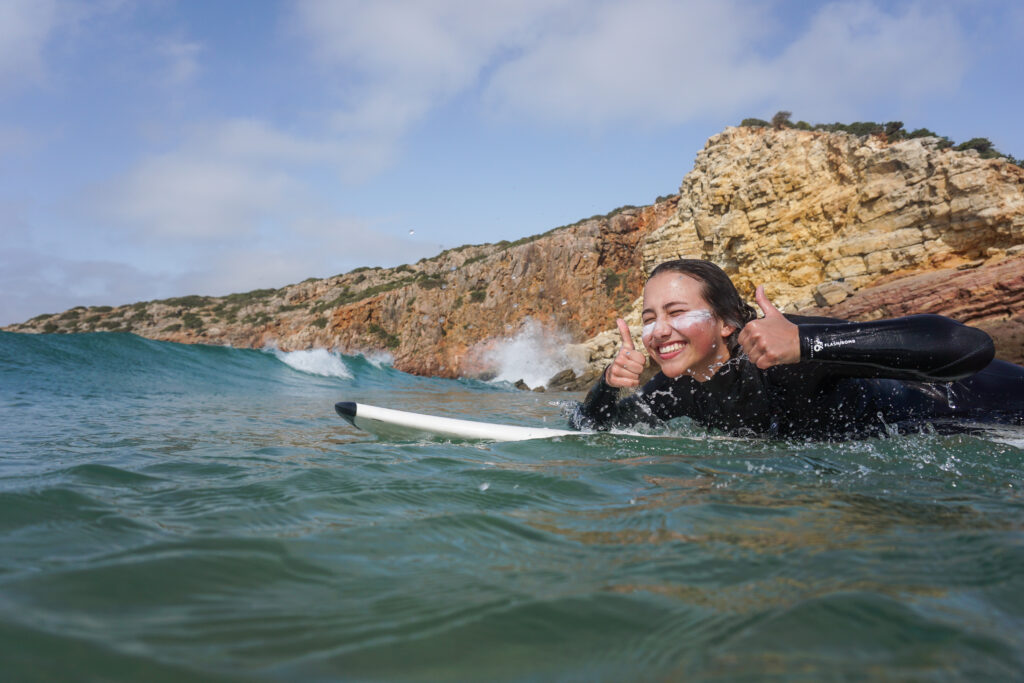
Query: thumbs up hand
(771, 340)
(628, 364)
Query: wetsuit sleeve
(928, 348)
(602, 409)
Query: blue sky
(159, 148)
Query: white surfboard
(388, 423)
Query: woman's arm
(602, 409)
(929, 348)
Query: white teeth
(669, 348)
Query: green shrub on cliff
(190, 301)
(984, 147)
(425, 281)
(612, 281)
(257, 319)
(781, 120)
(390, 340)
(348, 297)
(192, 321)
(892, 130)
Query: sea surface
(174, 512)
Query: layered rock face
(835, 224)
(831, 223)
(797, 210)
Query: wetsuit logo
(819, 345)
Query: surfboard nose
(347, 409)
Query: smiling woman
(796, 376)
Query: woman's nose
(661, 330)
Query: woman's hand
(771, 340)
(628, 364)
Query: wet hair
(718, 290)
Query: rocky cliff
(853, 227)
(436, 317)
(850, 226)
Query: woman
(796, 376)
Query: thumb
(627, 338)
(765, 303)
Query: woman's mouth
(670, 350)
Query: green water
(171, 512)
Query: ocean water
(175, 512)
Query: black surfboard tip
(347, 409)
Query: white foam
(379, 359)
(315, 362)
(534, 354)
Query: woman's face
(680, 332)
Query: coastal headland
(858, 227)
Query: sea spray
(533, 354)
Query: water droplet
(565, 301)
(484, 486)
(515, 305)
(950, 398)
(441, 320)
(507, 327)
(444, 287)
(412, 232)
(454, 268)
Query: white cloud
(648, 62)
(233, 209)
(651, 61)
(664, 62)
(227, 180)
(34, 283)
(189, 195)
(393, 61)
(854, 54)
(25, 26)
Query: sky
(156, 148)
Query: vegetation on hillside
(892, 130)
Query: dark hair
(718, 290)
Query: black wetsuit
(853, 379)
